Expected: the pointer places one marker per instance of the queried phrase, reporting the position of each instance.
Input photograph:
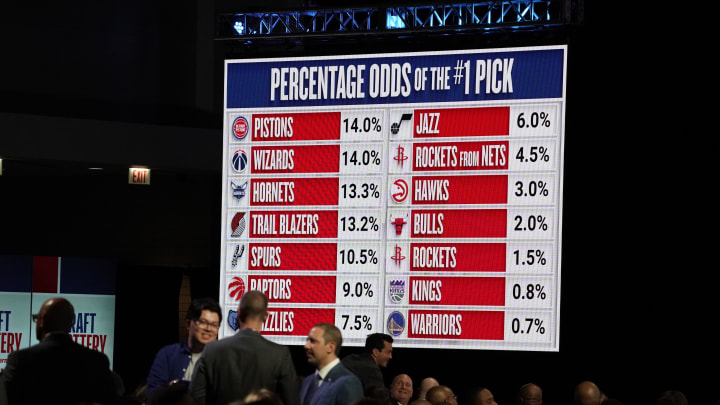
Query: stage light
(394, 21)
(239, 27)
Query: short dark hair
(376, 341)
(253, 305)
(201, 304)
(331, 333)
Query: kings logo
(396, 291)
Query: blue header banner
(519, 73)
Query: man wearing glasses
(176, 362)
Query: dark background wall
(115, 84)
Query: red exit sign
(139, 176)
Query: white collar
(325, 370)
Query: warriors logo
(396, 323)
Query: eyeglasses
(205, 324)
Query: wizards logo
(239, 160)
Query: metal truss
(479, 15)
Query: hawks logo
(399, 190)
(237, 225)
(237, 288)
(240, 127)
(396, 291)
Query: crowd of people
(242, 369)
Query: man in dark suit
(57, 370)
(230, 369)
(366, 365)
(332, 383)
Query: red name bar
(293, 224)
(457, 290)
(446, 156)
(295, 159)
(483, 121)
(457, 257)
(477, 223)
(295, 289)
(486, 325)
(295, 127)
(294, 191)
(295, 321)
(490, 189)
(293, 256)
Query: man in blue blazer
(331, 384)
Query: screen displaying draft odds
(414, 194)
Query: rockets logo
(232, 320)
(396, 291)
(239, 160)
(237, 288)
(239, 249)
(400, 190)
(240, 127)
(400, 157)
(395, 127)
(398, 257)
(396, 323)
(238, 190)
(238, 224)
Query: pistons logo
(240, 128)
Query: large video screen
(414, 194)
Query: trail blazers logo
(237, 225)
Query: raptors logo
(399, 190)
(236, 288)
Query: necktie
(312, 388)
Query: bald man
(401, 389)
(587, 393)
(441, 394)
(530, 394)
(57, 370)
(425, 386)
